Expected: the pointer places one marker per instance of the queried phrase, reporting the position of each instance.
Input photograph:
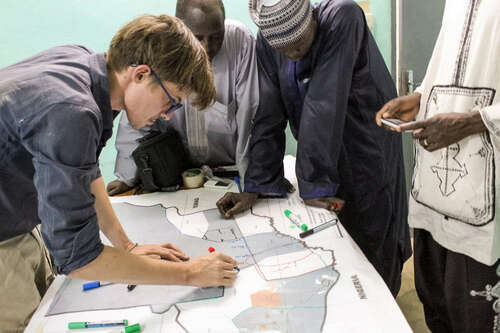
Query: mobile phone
(392, 122)
(217, 184)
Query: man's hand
(117, 187)
(233, 203)
(329, 203)
(405, 108)
(213, 270)
(163, 251)
(445, 129)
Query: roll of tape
(193, 178)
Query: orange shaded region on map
(266, 299)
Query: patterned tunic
(455, 190)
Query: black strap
(147, 175)
(170, 188)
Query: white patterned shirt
(455, 190)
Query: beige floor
(408, 300)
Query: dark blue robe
(330, 98)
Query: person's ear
(140, 73)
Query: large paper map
(321, 283)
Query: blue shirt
(55, 118)
(329, 98)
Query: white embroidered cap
(281, 22)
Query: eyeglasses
(173, 104)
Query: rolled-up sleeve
(64, 142)
(491, 119)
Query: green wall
(30, 26)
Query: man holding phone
(455, 118)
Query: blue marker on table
(237, 181)
(89, 324)
(93, 285)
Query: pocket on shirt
(459, 180)
(226, 115)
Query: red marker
(336, 206)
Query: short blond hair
(165, 44)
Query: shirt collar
(100, 89)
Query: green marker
(295, 220)
(136, 328)
(96, 324)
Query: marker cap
(77, 325)
(136, 328)
(306, 233)
(91, 285)
(287, 213)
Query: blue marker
(88, 324)
(237, 181)
(93, 285)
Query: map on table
(321, 283)
(290, 280)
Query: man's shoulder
(73, 113)
(330, 10)
(70, 50)
(237, 34)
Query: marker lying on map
(88, 324)
(295, 220)
(94, 284)
(320, 227)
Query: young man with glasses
(218, 135)
(174, 105)
(56, 114)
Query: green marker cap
(77, 325)
(304, 227)
(288, 213)
(136, 328)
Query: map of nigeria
(283, 284)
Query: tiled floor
(408, 300)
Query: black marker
(318, 228)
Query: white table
(359, 301)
